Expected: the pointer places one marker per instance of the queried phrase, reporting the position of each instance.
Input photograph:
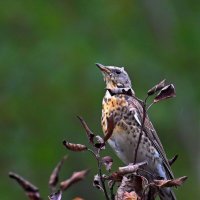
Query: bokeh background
(47, 77)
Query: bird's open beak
(103, 68)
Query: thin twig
(149, 106)
(112, 195)
(93, 153)
(99, 164)
(141, 128)
(101, 179)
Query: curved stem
(101, 179)
(141, 128)
(112, 196)
(149, 106)
(99, 164)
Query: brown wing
(151, 133)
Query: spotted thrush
(127, 114)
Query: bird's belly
(124, 151)
(125, 146)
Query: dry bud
(76, 177)
(166, 92)
(170, 183)
(89, 133)
(53, 180)
(74, 147)
(156, 88)
(31, 191)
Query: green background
(47, 77)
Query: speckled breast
(112, 105)
(127, 127)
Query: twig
(96, 152)
(141, 128)
(112, 195)
(101, 179)
(149, 106)
(99, 164)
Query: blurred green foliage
(47, 77)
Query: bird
(126, 110)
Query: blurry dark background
(47, 77)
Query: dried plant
(56, 187)
(131, 184)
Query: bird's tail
(167, 194)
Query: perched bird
(127, 114)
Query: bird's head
(114, 77)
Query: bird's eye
(118, 72)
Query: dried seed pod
(74, 147)
(156, 88)
(76, 177)
(54, 177)
(167, 92)
(89, 133)
(31, 191)
(170, 183)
